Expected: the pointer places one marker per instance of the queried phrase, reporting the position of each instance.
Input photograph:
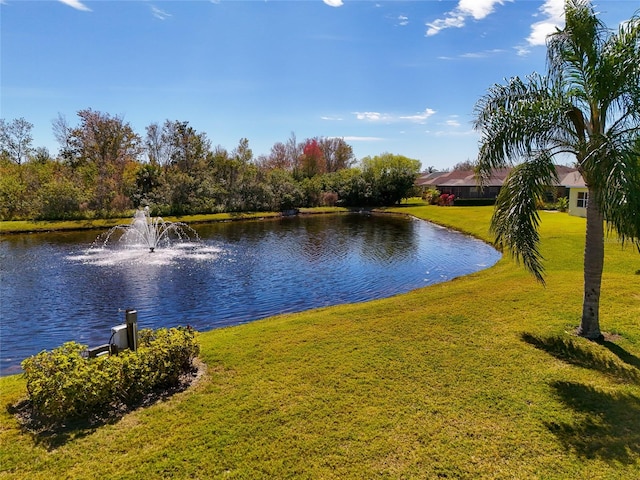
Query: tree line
(104, 168)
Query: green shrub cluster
(431, 196)
(65, 384)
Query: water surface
(54, 289)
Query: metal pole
(131, 319)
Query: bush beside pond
(63, 384)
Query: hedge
(64, 384)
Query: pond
(54, 288)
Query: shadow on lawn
(607, 424)
(626, 368)
(50, 435)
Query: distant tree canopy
(104, 168)
(15, 139)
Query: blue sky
(387, 76)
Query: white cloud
(553, 13)
(333, 3)
(77, 4)
(452, 21)
(453, 133)
(160, 14)
(452, 123)
(483, 54)
(456, 18)
(361, 139)
(478, 9)
(331, 118)
(403, 20)
(372, 116)
(420, 117)
(475, 55)
(389, 118)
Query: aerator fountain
(149, 232)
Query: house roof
(462, 178)
(573, 179)
(567, 177)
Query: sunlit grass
(25, 226)
(479, 377)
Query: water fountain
(132, 244)
(148, 232)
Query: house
(463, 184)
(578, 193)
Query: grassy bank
(479, 377)
(27, 226)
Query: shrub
(563, 204)
(64, 384)
(431, 196)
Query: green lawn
(479, 377)
(25, 226)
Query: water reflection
(53, 291)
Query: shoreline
(12, 227)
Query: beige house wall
(573, 203)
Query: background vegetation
(104, 169)
(479, 377)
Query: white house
(578, 193)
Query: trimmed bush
(65, 384)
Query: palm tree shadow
(607, 424)
(622, 354)
(625, 368)
(609, 427)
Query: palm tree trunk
(593, 263)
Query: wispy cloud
(453, 133)
(331, 118)
(333, 3)
(158, 13)
(456, 18)
(77, 4)
(403, 20)
(420, 117)
(483, 54)
(362, 139)
(372, 116)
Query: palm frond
(615, 180)
(515, 219)
(620, 75)
(516, 119)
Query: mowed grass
(26, 226)
(479, 377)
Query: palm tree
(586, 106)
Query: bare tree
(15, 139)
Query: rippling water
(54, 289)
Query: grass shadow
(54, 435)
(609, 427)
(622, 354)
(624, 368)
